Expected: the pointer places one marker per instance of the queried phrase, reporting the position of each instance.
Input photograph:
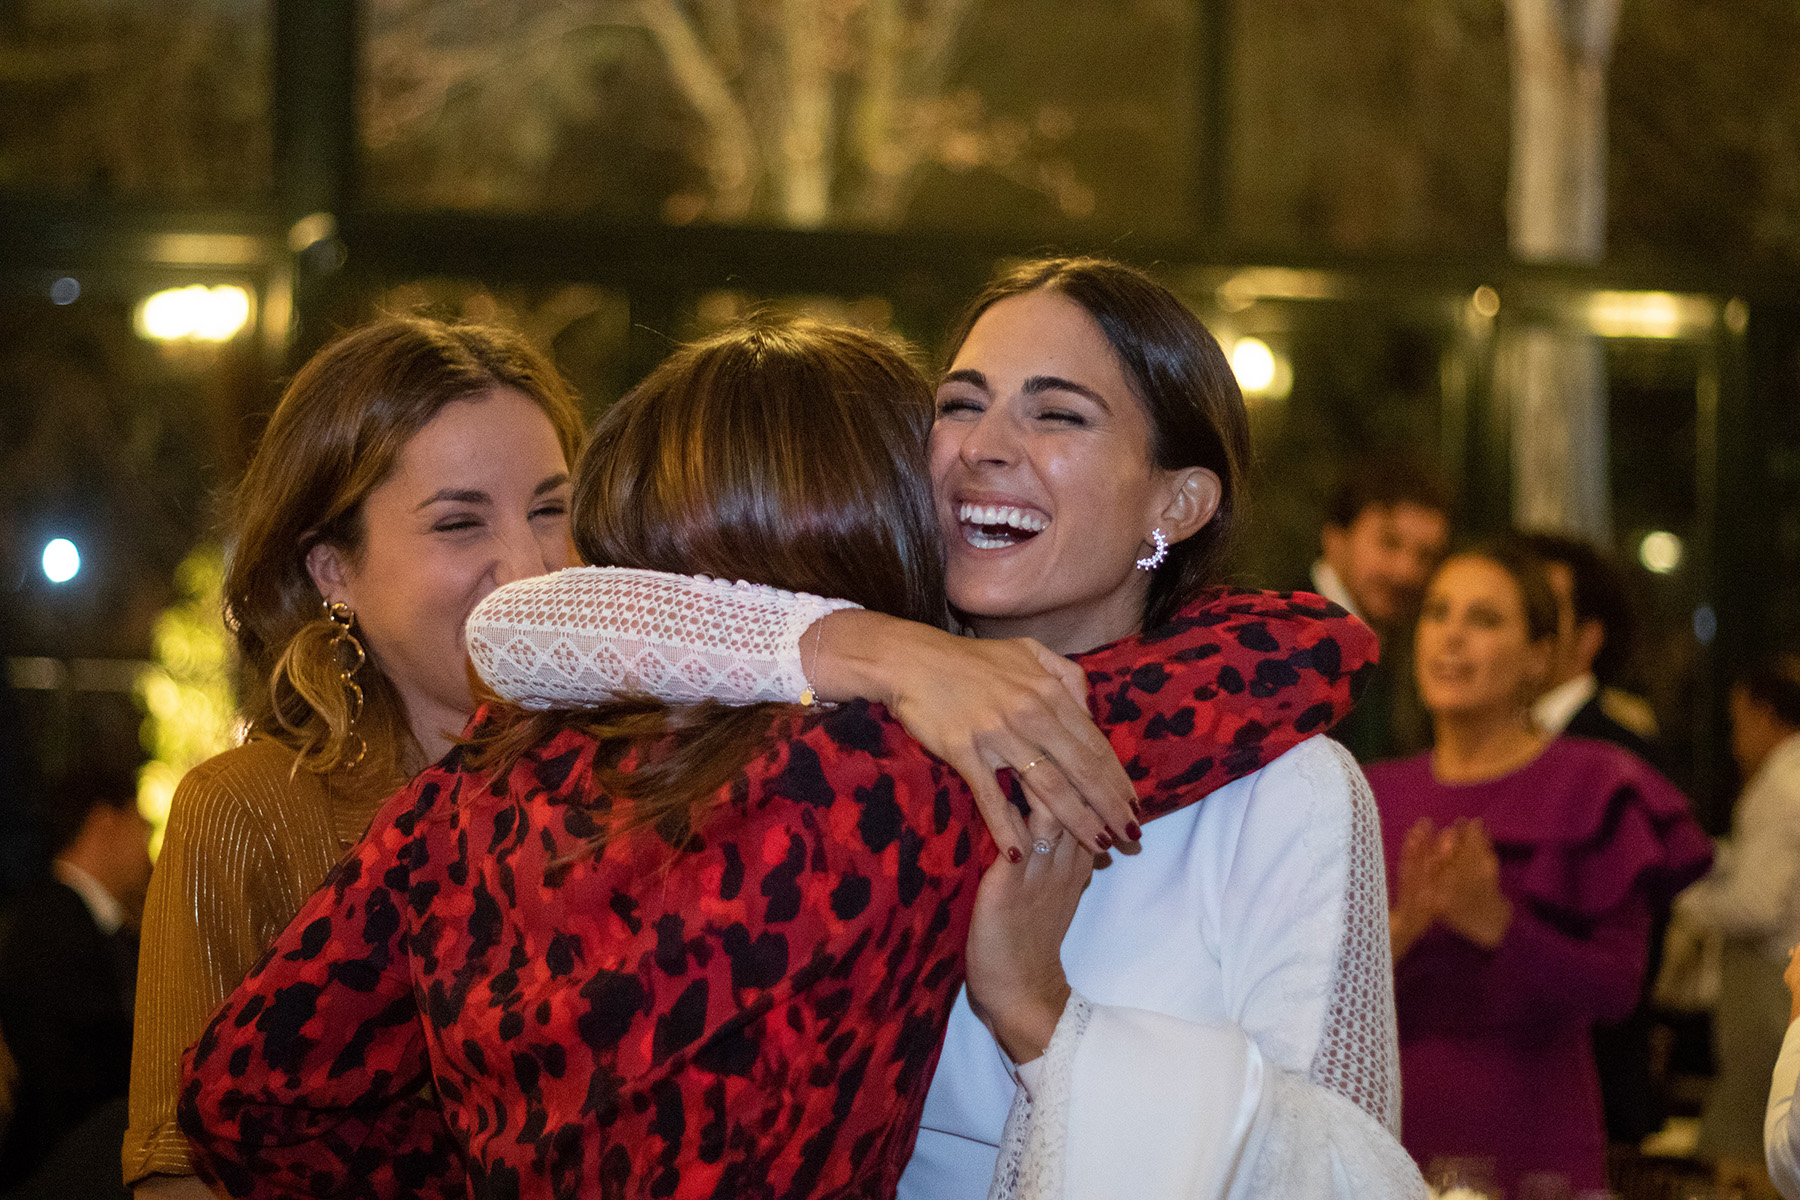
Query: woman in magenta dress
(1522, 873)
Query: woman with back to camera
(674, 951)
(410, 468)
(1523, 871)
(1088, 421)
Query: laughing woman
(1233, 979)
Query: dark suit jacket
(1622, 1050)
(65, 1011)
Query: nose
(990, 440)
(522, 555)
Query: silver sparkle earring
(1162, 552)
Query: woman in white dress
(1215, 1017)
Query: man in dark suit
(1385, 532)
(68, 969)
(1593, 646)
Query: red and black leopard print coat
(758, 1016)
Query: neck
(1074, 630)
(1472, 747)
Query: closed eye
(950, 406)
(555, 508)
(456, 523)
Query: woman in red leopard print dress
(669, 952)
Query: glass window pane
(873, 113)
(166, 101)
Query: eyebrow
(1056, 383)
(477, 496)
(1035, 385)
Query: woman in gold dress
(410, 468)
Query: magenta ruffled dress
(1495, 1057)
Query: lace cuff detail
(590, 634)
(1034, 1143)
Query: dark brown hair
(789, 454)
(1388, 481)
(1600, 594)
(1179, 373)
(335, 436)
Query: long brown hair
(336, 434)
(789, 454)
(1179, 373)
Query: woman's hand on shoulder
(1022, 913)
(984, 706)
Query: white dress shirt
(1557, 707)
(108, 914)
(1330, 585)
(1753, 890)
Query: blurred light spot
(1647, 314)
(61, 560)
(65, 290)
(1737, 315)
(314, 227)
(1275, 283)
(1660, 552)
(1485, 302)
(1706, 624)
(1253, 363)
(198, 312)
(1262, 373)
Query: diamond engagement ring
(1042, 846)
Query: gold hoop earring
(348, 654)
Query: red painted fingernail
(1104, 841)
(1115, 837)
(1013, 855)
(1136, 809)
(1133, 832)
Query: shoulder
(1311, 795)
(248, 792)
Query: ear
(1193, 502)
(1590, 636)
(330, 573)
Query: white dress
(1232, 1029)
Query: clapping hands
(1450, 876)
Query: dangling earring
(348, 654)
(1162, 552)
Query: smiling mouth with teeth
(992, 526)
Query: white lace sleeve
(588, 634)
(1359, 1048)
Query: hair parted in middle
(786, 453)
(1180, 375)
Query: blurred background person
(1595, 624)
(1523, 872)
(1752, 897)
(1386, 529)
(1593, 647)
(411, 468)
(68, 966)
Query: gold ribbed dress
(249, 839)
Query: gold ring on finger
(1034, 762)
